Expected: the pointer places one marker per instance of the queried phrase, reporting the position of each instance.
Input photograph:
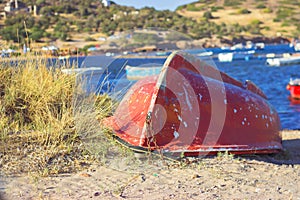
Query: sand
(218, 177)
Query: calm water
(272, 80)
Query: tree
(61, 30)
(207, 15)
(36, 33)
(10, 33)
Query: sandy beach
(219, 177)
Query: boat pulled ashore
(191, 109)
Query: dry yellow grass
(229, 15)
(46, 118)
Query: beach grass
(46, 125)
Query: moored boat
(139, 72)
(192, 109)
(231, 56)
(283, 61)
(260, 46)
(225, 57)
(294, 88)
(84, 70)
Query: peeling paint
(200, 97)
(179, 118)
(187, 99)
(185, 124)
(176, 134)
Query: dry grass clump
(42, 120)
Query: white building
(11, 5)
(106, 3)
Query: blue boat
(142, 71)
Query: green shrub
(194, 8)
(243, 11)
(207, 15)
(232, 3)
(216, 8)
(267, 10)
(261, 6)
(89, 39)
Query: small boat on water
(225, 57)
(283, 61)
(231, 56)
(191, 108)
(139, 72)
(294, 88)
(259, 46)
(84, 70)
(163, 53)
(205, 54)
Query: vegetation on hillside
(61, 19)
(276, 17)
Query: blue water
(272, 80)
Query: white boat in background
(283, 61)
(225, 57)
(229, 57)
(238, 46)
(83, 71)
(205, 54)
(259, 45)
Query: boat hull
(191, 108)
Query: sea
(272, 80)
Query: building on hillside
(106, 3)
(11, 6)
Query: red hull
(294, 90)
(193, 108)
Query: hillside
(82, 24)
(269, 17)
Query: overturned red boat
(294, 88)
(191, 108)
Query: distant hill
(267, 17)
(90, 22)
